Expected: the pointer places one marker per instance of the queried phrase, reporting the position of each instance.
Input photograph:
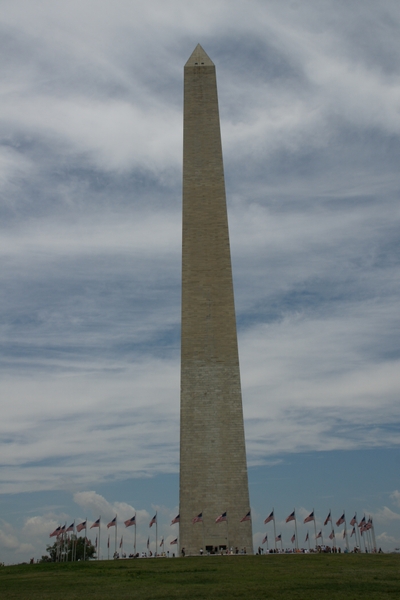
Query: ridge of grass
(317, 576)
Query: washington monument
(213, 470)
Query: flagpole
(373, 535)
(369, 538)
(365, 546)
(295, 528)
(227, 531)
(98, 552)
(202, 528)
(308, 539)
(84, 545)
(315, 530)
(108, 547)
(116, 527)
(134, 539)
(358, 540)
(273, 512)
(155, 553)
(75, 541)
(345, 532)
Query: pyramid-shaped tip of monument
(199, 58)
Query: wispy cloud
(90, 180)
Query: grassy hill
(277, 577)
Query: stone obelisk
(213, 469)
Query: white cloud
(90, 234)
(395, 497)
(386, 515)
(98, 505)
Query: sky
(90, 176)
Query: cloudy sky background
(90, 175)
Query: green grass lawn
(284, 576)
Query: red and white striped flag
(309, 518)
(154, 520)
(112, 523)
(96, 523)
(221, 518)
(269, 518)
(198, 519)
(340, 521)
(56, 532)
(291, 517)
(176, 520)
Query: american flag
(175, 541)
(198, 519)
(130, 522)
(369, 524)
(176, 520)
(55, 532)
(293, 538)
(81, 526)
(291, 517)
(121, 542)
(246, 517)
(269, 518)
(354, 521)
(162, 542)
(344, 533)
(112, 523)
(362, 522)
(309, 518)
(96, 523)
(331, 535)
(353, 532)
(340, 521)
(71, 527)
(278, 538)
(319, 535)
(62, 529)
(328, 518)
(306, 540)
(265, 540)
(154, 520)
(221, 518)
